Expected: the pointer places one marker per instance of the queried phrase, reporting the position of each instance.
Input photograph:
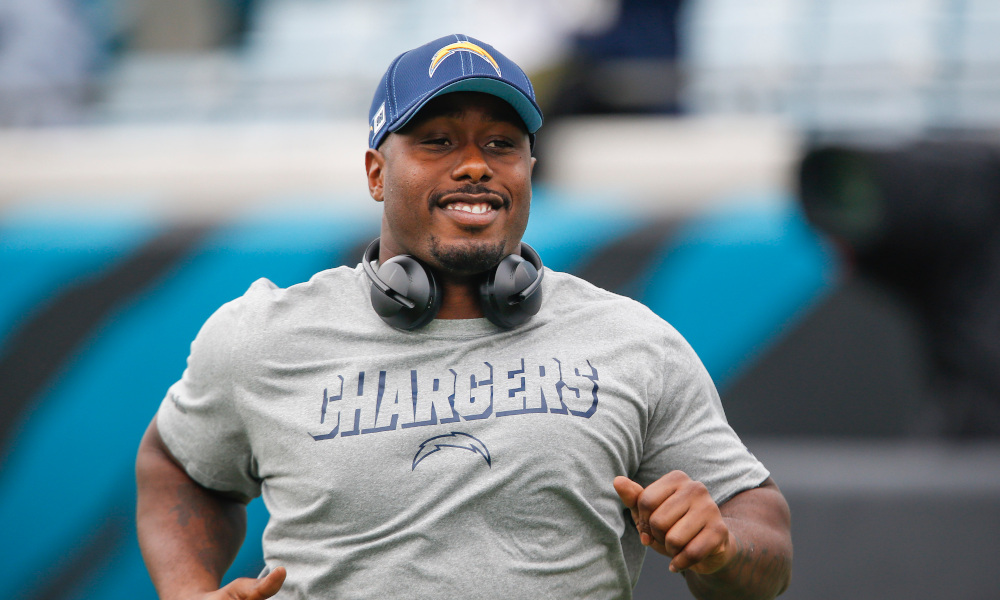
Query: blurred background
(809, 190)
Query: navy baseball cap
(454, 63)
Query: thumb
(270, 584)
(256, 589)
(628, 491)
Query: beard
(467, 258)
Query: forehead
(456, 105)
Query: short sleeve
(688, 431)
(199, 419)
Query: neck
(460, 299)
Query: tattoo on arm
(221, 533)
(757, 566)
(755, 572)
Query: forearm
(759, 524)
(188, 535)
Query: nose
(472, 165)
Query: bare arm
(759, 524)
(188, 534)
(741, 550)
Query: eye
(437, 141)
(499, 143)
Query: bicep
(154, 463)
(188, 534)
(157, 471)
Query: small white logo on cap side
(450, 49)
(378, 120)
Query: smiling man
(451, 419)
(456, 182)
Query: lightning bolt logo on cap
(450, 49)
(479, 67)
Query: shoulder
(269, 321)
(264, 297)
(567, 295)
(589, 311)
(265, 308)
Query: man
(490, 429)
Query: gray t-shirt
(459, 460)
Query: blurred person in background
(626, 63)
(47, 55)
(52, 51)
(377, 479)
(188, 26)
(628, 67)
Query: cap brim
(526, 109)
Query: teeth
(476, 209)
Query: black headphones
(406, 294)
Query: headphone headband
(536, 261)
(371, 255)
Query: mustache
(471, 189)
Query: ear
(531, 169)
(374, 166)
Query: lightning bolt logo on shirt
(450, 49)
(455, 439)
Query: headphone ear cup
(407, 277)
(497, 293)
